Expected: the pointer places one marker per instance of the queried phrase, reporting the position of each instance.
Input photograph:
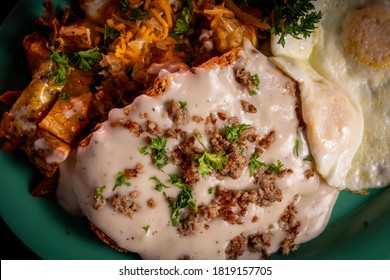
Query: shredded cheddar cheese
(219, 10)
(156, 35)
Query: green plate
(359, 227)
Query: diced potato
(46, 151)
(67, 117)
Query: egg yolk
(368, 36)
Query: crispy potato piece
(67, 117)
(46, 151)
(34, 101)
(36, 51)
(75, 37)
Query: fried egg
(344, 74)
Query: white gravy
(113, 149)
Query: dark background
(12, 248)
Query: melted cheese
(113, 148)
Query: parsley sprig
(138, 14)
(88, 59)
(99, 191)
(110, 33)
(146, 228)
(124, 6)
(183, 200)
(121, 179)
(158, 152)
(271, 167)
(64, 96)
(160, 185)
(233, 133)
(63, 68)
(182, 24)
(209, 161)
(296, 145)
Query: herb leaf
(209, 161)
(110, 33)
(159, 186)
(255, 80)
(138, 14)
(233, 133)
(86, 60)
(182, 24)
(146, 228)
(120, 179)
(160, 158)
(183, 104)
(63, 68)
(183, 200)
(124, 6)
(99, 191)
(296, 145)
(158, 154)
(64, 96)
(254, 163)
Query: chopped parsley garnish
(183, 200)
(99, 191)
(64, 96)
(158, 153)
(254, 163)
(255, 80)
(63, 68)
(159, 186)
(233, 133)
(209, 161)
(87, 60)
(120, 179)
(183, 104)
(144, 150)
(138, 14)
(146, 228)
(110, 33)
(296, 146)
(124, 6)
(182, 24)
(210, 190)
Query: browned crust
(224, 60)
(105, 238)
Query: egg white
(345, 102)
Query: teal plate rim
(359, 227)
